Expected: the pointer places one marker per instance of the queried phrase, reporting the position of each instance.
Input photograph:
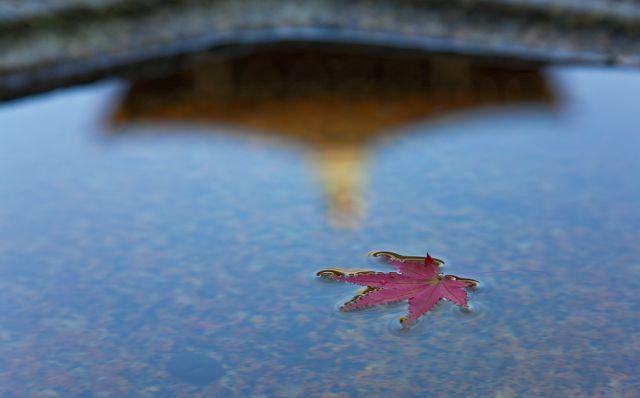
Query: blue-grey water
(181, 264)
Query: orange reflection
(332, 101)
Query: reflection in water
(334, 103)
(139, 269)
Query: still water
(164, 254)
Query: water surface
(182, 263)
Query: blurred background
(173, 174)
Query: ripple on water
(396, 328)
(476, 310)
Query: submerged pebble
(194, 368)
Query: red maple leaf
(419, 280)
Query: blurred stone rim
(90, 40)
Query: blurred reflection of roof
(334, 103)
(320, 96)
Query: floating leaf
(418, 280)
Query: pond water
(176, 257)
